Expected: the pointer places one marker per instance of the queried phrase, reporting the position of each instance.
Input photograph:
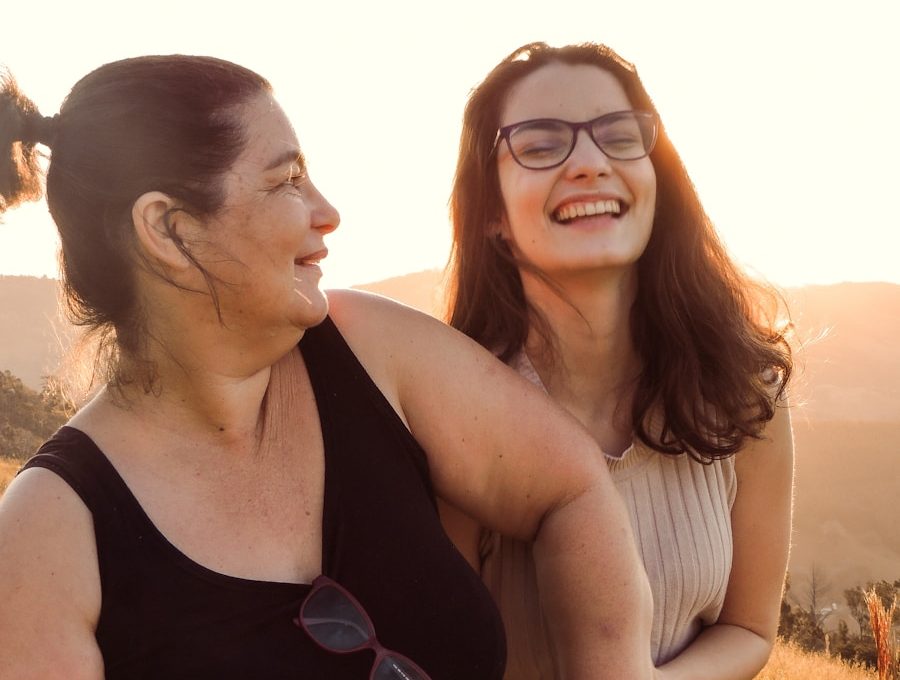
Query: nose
(324, 217)
(587, 159)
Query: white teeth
(573, 210)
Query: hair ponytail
(21, 127)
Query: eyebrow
(541, 123)
(292, 155)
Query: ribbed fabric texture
(680, 512)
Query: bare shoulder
(394, 341)
(48, 572)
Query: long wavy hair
(714, 357)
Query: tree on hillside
(812, 596)
(853, 648)
(855, 598)
(787, 620)
(27, 417)
(800, 624)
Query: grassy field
(787, 662)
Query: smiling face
(267, 240)
(590, 214)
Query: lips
(575, 209)
(312, 259)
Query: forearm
(593, 590)
(721, 652)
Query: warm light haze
(784, 111)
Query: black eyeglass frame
(381, 652)
(504, 133)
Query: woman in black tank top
(251, 433)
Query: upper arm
(498, 448)
(761, 524)
(49, 582)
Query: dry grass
(789, 662)
(880, 618)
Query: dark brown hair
(711, 352)
(152, 123)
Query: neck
(591, 368)
(192, 401)
(199, 426)
(209, 383)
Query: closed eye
(296, 176)
(622, 140)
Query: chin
(314, 310)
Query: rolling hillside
(32, 334)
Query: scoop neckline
(522, 363)
(179, 557)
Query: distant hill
(847, 490)
(422, 290)
(846, 423)
(852, 372)
(33, 335)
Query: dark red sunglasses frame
(381, 652)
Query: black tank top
(164, 616)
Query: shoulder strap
(72, 455)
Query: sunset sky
(784, 111)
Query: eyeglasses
(546, 143)
(337, 623)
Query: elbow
(764, 631)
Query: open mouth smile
(572, 211)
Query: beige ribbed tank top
(680, 512)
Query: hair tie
(40, 129)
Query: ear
(158, 242)
(500, 228)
